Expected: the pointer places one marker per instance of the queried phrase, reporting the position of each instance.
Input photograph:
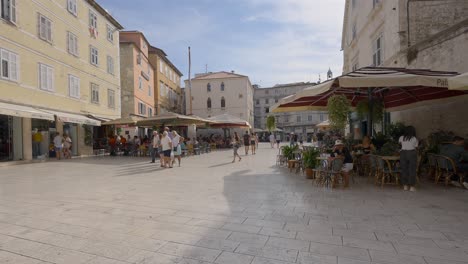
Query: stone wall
(427, 18)
(449, 116)
(446, 51)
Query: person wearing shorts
(253, 143)
(342, 152)
(166, 144)
(58, 145)
(278, 139)
(246, 142)
(176, 148)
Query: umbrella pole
(369, 115)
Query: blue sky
(271, 41)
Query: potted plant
(310, 161)
(288, 153)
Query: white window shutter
(50, 79)
(43, 77)
(13, 11)
(13, 67)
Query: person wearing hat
(340, 151)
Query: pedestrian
(58, 144)
(67, 144)
(272, 140)
(155, 146)
(37, 140)
(340, 151)
(161, 152)
(278, 140)
(408, 158)
(246, 142)
(176, 146)
(253, 143)
(236, 146)
(166, 145)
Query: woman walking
(67, 144)
(177, 149)
(253, 143)
(236, 145)
(408, 158)
(166, 145)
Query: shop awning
(74, 118)
(24, 111)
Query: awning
(459, 82)
(24, 111)
(74, 118)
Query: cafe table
(390, 162)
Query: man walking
(246, 139)
(155, 146)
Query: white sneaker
(456, 184)
(465, 184)
(405, 188)
(412, 189)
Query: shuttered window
(46, 77)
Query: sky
(271, 41)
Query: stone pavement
(126, 210)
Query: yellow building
(59, 73)
(168, 94)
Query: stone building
(60, 70)
(302, 123)
(414, 34)
(216, 93)
(167, 91)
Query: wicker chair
(446, 168)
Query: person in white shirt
(67, 144)
(278, 139)
(155, 146)
(272, 140)
(166, 145)
(58, 144)
(408, 158)
(176, 147)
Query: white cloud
(305, 45)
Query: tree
(271, 123)
(338, 110)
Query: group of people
(250, 143)
(62, 145)
(275, 139)
(168, 145)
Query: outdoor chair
(446, 168)
(280, 158)
(319, 171)
(333, 174)
(190, 150)
(373, 171)
(196, 149)
(432, 165)
(389, 173)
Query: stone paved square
(126, 210)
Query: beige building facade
(302, 123)
(59, 73)
(218, 93)
(412, 34)
(167, 90)
(136, 75)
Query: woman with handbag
(236, 146)
(176, 147)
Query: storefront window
(11, 138)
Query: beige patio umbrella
(325, 124)
(172, 119)
(128, 121)
(228, 121)
(459, 82)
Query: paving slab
(125, 210)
